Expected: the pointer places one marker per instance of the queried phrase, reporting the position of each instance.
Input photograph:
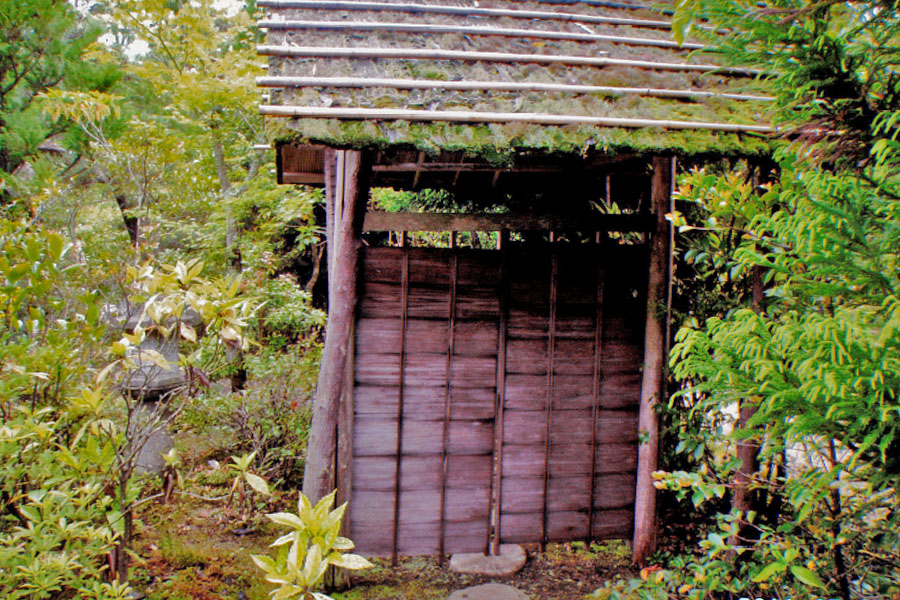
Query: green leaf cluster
(305, 554)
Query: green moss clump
(498, 143)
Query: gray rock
(510, 560)
(150, 382)
(150, 458)
(489, 591)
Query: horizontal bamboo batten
(405, 221)
(498, 57)
(467, 11)
(506, 86)
(602, 4)
(378, 114)
(429, 28)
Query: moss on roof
(499, 138)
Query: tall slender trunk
(232, 252)
(232, 234)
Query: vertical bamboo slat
(499, 408)
(551, 347)
(404, 309)
(595, 392)
(451, 339)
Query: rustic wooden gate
(496, 396)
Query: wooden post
(644, 541)
(346, 195)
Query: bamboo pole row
(603, 4)
(496, 57)
(378, 114)
(467, 11)
(505, 86)
(433, 28)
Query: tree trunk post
(748, 449)
(644, 541)
(346, 195)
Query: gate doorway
(495, 396)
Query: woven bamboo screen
(504, 387)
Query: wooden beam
(466, 11)
(404, 221)
(644, 541)
(431, 28)
(303, 178)
(506, 86)
(498, 57)
(463, 116)
(346, 197)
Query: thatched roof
(493, 76)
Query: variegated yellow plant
(306, 552)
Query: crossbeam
(407, 221)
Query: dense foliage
(130, 188)
(807, 374)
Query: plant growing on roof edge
(304, 554)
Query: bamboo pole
(432, 28)
(348, 187)
(551, 365)
(448, 396)
(466, 11)
(644, 541)
(401, 380)
(454, 116)
(500, 57)
(406, 221)
(604, 4)
(506, 86)
(495, 537)
(596, 380)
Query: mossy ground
(195, 550)
(198, 549)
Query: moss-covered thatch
(503, 137)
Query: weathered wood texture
(477, 339)
(346, 196)
(408, 221)
(644, 540)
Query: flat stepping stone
(510, 561)
(489, 591)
